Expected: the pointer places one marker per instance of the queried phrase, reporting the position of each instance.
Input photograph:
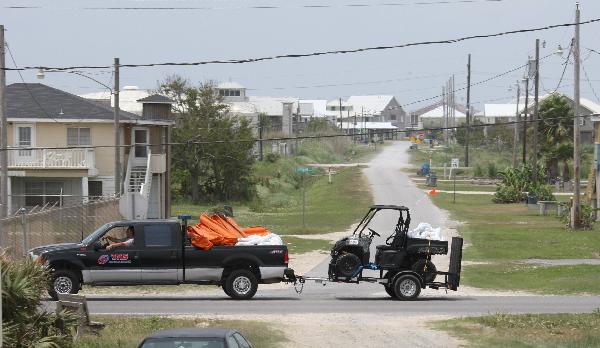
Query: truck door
(120, 265)
(161, 254)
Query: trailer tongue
(404, 263)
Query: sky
(63, 33)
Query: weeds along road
(390, 186)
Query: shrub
(492, 170)
(24, 323)
(516, 181)
(478, 171)
(272, 157)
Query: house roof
(319, 107)
(585, 103)
(155, 99)
(36, 100)
(372, 104)
(437, 110)
(272, 106)
(128, 98)
(230, 85)
(244, 108)
(499, 110)
(367, 125)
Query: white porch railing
(50, 158)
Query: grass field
(530, 330)
(503, 235)
(329, 207)
(298, 245)
(127, 332)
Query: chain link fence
(32, 228)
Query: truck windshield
(97, 233)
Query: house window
(581, 121)
(43, 192)
(24, 139)
(94, 189)
(78, 136)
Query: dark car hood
(54, 247)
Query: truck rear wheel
(63, 281)
(407, 287)
(241, 285)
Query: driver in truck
(117, 243)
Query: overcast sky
(68, 32)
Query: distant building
(379, 108)
(433, 116)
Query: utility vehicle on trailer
(404, 263)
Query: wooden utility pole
(468, 115)
(341, 115)
(260, 137)
(516, 136)
(575, 210)
(118, 190)
(445, 112)
(3, 135)
(3, 145)
(526, 110)
(536, 110)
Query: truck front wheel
(241, 285)
(63, 281)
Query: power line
(305, 137)
(589, 82)
(26, 85)
(314, 54)
(269, 7)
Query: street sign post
(304, 171)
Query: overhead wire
(305, 137)
(589, 82)
(12, 57)
(272, 7)
(318, 53)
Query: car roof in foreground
(192, 332)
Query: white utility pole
(118, 190)
(575, 210)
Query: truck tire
(390, 291)
(407, 287)
(347, 264)
(428, 275)
(241, 285)
(63, 281)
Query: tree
(217, 169)
(556, 134)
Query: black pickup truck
(160, 254)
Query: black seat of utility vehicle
(384, 247)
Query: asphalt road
(390, 186)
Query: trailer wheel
(390, 291)
(241, 285)
(63, 281)
(347, 264)
(407, 287)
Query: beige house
(60, 151)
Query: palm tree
(556, 134)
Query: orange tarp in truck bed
(220, 230)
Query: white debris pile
(269, 239)
(426, 231)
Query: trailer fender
(401, 273)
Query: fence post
(24, 229)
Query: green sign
(304, 170)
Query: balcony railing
(50, 158)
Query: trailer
(404, 263)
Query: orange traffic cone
(433, 192)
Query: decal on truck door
(114, 258)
